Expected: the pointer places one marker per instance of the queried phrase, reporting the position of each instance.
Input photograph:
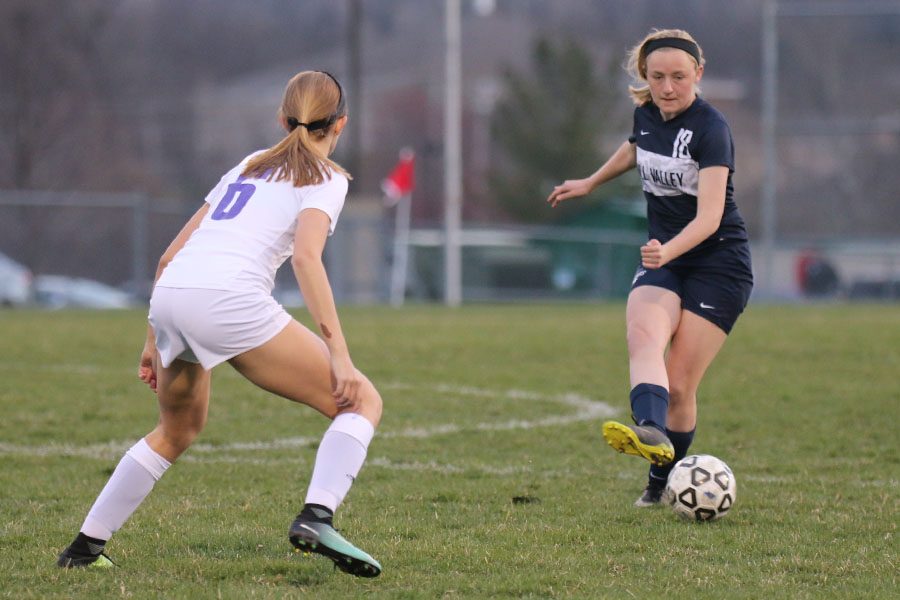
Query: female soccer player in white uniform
(695, 275)
(212, 303)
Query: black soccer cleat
(651, 496)
(314, 536)
(70, 559)
(639, 440)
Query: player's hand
(653, 255)
(347, 382)
(146, 368)
(570, 188)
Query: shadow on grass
(305, 571)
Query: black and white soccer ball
(701, 488)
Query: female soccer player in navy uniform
(212, 303)
(695, 275)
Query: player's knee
(180, 436)
(641, 337)
(179, 441)
(372, 405)
(682, 395)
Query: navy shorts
(715, 285)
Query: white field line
(377, 462)
(380, 462)
(77, 369)
(584, 410)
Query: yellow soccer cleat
(638, 440)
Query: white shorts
(211, 326)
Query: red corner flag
(401, 181)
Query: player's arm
(309, 241)
(623, 159)
(180, 240)
(146, 369)
(710, 206)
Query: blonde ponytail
(313, 101)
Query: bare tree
(50, 57)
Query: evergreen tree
(548, 126)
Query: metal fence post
(139, 248)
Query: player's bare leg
(694, 346)
(183, 394)
(296, 364)
(652, 315)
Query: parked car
(58, 291)
(15, 283)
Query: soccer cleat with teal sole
(321, 538)
(637, 440)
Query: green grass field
(482, 404)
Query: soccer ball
(701, 488)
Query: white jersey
(248, 232)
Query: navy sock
(681, 441)
(649, 404)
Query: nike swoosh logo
(308, 528)
(706, 306)
(644, 132)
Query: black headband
(672, 42)
(325, 123)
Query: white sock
(339, 459)
(129, 484)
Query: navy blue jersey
(670, 155)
